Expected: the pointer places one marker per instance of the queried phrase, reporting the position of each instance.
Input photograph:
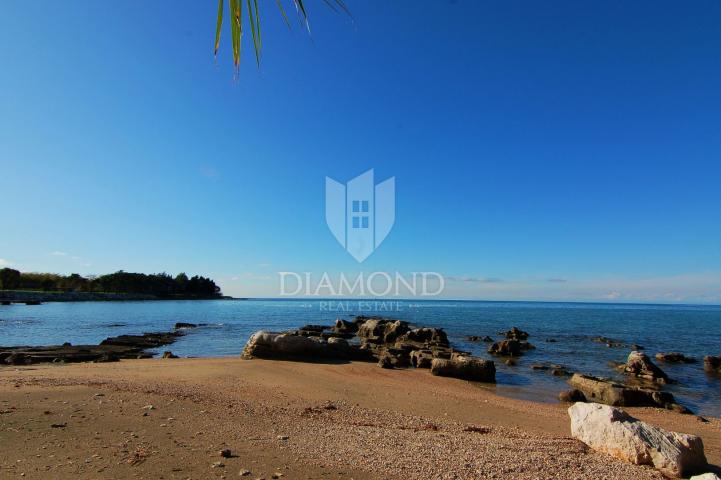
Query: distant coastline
(25, 296)
(36, 287)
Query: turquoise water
(693, 330)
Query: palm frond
(218, 27)
(236, 23)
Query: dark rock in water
(506, 347)
(608, 341)
(466, 368)
(572, 396)
(144, 341)
(639, 365)
(555, 370)
(712, 363)
(314, 328)
(510, 362)
(6, 302)
(169, 354)
(180, 325)
(33, 302)
(615, 394)
(476, 338)
(635, 346)
(344, 326)
(674, 357)
(110, 350)
(509, 348)
(516, 333)
(551, 340)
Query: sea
(564, 334)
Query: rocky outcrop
(111, 349)
(466, 368)
(271, 345)
(614, 432)
(424, 337)
(421, 358)
(639, 365)
(381, 330)
(516, 333)
(611, 393)
(674, 357)
(344, 326)
(712, 363)
(510, 348)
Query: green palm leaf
(236, 23)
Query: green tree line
(159, 284)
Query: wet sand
(299, 420)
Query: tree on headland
(9, 278)
(158, 284)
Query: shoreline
(383, 423)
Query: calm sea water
(693, 330)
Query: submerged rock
(181, 325)
(712, 363)
(510, 348)
(612, 431)
(516, 333)
(674, 357)
(465, 367)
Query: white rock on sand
(706, 476)
(613, 431)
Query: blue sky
(558, 150)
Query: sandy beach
(170, 418)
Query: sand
(170, 418)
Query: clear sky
(560, 150)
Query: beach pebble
(225, 453)
(283, 437)
(217, 465)
(244, 473)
